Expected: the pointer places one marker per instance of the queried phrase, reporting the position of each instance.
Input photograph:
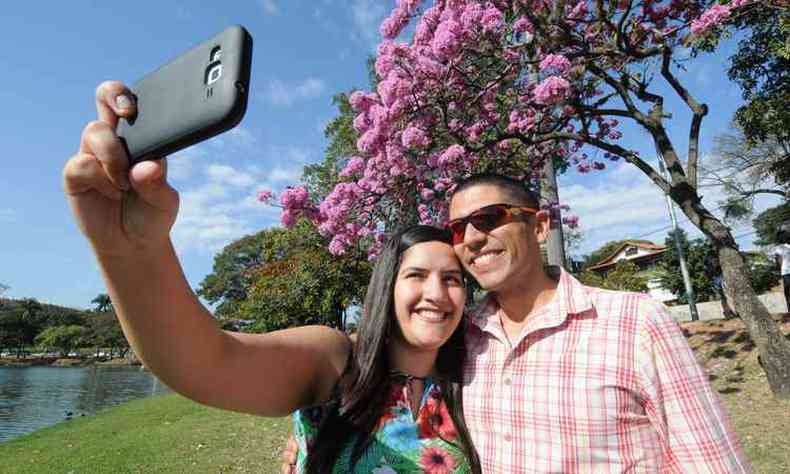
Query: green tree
(104, 331)
(63, 338)
(11, 330)
(759, 270)
(669, 268)
(102, 302)
(624, 276)
(226, 286)
(300, 282)
(768, 223)
(761, 67)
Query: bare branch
(698, 109)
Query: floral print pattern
(402, 443)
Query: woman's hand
(119, 210)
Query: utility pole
(555, 244)
(683, 267)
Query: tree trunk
(773, 347)
(555, 244)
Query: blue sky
(305, 51)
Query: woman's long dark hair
(364, 387)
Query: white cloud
(285, 174)
(282, 94)
(224, 207)
(180, 166)
(224, 174)
(235, 138)
(207, 221)
(270, 7)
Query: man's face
(505, 257)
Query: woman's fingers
(114, 100)
(99, 140)
(149, 180)
(83, 173)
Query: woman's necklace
(408, 377)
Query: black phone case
(178, 105)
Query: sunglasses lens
(484, 220)
(488, 219)
(457, 230)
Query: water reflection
(35, 397)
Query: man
(567, 378)
(782, 253)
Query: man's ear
(542, 226)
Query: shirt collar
(570, 299)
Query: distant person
(782, 253)
(712, 270)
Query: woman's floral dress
(401, 443)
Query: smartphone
(196, 96)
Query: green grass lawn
(160, 434)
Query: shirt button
(508, 438)
(507, 381)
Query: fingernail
(123, 101)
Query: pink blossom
(579, 11)
(368, 141)
(391, 88)
(472, 16)
(523, 25)
(293, 197)
(337, 246)
(571, 221)
(427, 194)
(288, 218)
(394, 24)
(447, 39)
(354, 166)
(265, 196)
(552, 90)
(414, 137)
(362, 123)
(492, 19)
(556, 63)
(714, 16)
(361, 101)
(453, 154)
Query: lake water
(35, 397)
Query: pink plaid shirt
(599, 381)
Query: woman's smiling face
(429, 295)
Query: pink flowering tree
(507, 85)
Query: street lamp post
(683, 267)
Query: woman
(414, 306)
(397, 407)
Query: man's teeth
(485, 258)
